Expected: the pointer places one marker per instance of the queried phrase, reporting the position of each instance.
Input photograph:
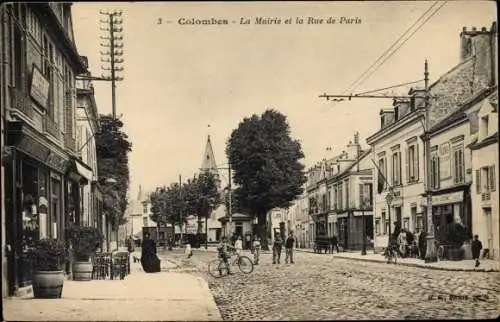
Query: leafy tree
(168, 205)
(112, 148)
(203, 196)
(265, 162)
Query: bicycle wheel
(245, 264)
(217, 269)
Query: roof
(460, 114)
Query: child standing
(256, 249)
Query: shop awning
(79, 171)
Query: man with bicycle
(224, 250)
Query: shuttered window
(478, 181)
(491, 173)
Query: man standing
(289, 244)
(278, 243)
(476, 247)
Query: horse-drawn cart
(321, 243)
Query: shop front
(34, 203)
(449, 209)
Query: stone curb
(483, 270)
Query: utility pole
(113, 55)
(230, 205)
(430, 254)
(113, 26)
(180, 208)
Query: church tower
(208, 162)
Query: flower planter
(48, 284)
(82, 270)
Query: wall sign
(39, 90)
(448, 198)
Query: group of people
(408, 244)
(254, 244)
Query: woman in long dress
(149, 261)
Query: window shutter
(407, 165)
(416, 163)
(438, 181)
(478, 181)
(68, 113)
(492, 178)
(361, 195)
(400, 175)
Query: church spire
(208, 163)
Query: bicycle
(217, 268)
(390, 254)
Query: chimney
(386, 118)
(353, 148)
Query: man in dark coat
(476, 247)
(149, 261)
(422, 244)
(334, 244)
(277, 245)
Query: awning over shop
(79, 171)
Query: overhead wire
(389, 87)
(352, 87)
(400, 45)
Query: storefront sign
(39, 87)
(444, 161)
(41, 153)
(448, 198)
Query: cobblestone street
(319, 286)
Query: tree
(112, 148)
(266, 167)
(202, 196)
(169, 206)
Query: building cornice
(390, 129)
(492, 139)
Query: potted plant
(49, 256)
(84, 241)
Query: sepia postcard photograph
(249, 161)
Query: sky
(185, 82)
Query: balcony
(51, 127)
(69, 142)
(21, 101)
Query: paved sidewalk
(163, 296)
(463, 265)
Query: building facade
(42, 177)
(397, 150)
(87, 126)
(339, 194)
(398, 145)
(484, 189)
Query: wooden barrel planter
(82, 271)
(48, 284)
